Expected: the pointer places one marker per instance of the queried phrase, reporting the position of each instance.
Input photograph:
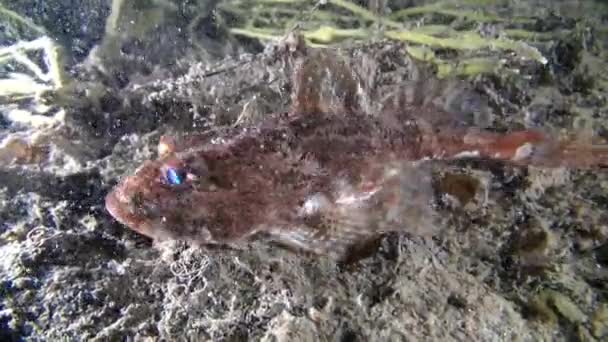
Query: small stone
(548, 303)
(599, 321)
(601, 254)
(539, 309)
(462, 187)
(567, 308)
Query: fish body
(324, 177)
(293, 178)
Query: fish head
(175, 197)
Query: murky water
(87, 89)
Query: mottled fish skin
(291, 177)
(324, 177)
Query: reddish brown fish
(325, 177)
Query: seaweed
(450, 26)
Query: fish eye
(175, 176)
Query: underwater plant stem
(23, 20)
(468, 41)
(444, 9)
(23, 85)
(463, 41)
(464, 67)
(364, 13)
(328, 34)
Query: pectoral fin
(347, 223)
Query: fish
(325, 177)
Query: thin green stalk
(364, 13)
(21, 19)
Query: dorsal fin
(323, 82)
(435, 102)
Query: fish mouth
(115, 207)
(119, 210)
(119, 207)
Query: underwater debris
(40, 78)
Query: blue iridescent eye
(175, 176)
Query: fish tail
(536, 148)
(574, 154)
